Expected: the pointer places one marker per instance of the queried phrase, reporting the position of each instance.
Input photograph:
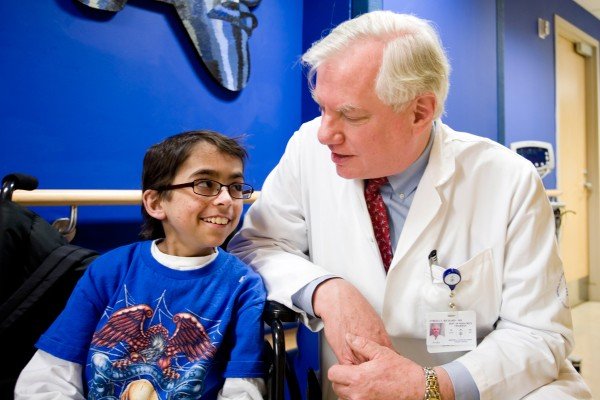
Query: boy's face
(195, 224)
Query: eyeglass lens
(207, 187)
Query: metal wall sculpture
(220, 30)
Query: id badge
(451, 331)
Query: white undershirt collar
(181, 263)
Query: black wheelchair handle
(12, 182)
(277, 311)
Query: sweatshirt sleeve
(46, 376)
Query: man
(435, 332)
(469, 223)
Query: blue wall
(85, 92)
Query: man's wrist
(321, 292)
(446, 385)
(432, 386)
(303, 298)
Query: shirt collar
(407, 181)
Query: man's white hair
(413, 61)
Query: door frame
(571, 32)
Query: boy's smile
(216, 220)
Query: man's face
(435, 330)
(367, 139)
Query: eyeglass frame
(192, 184)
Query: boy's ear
(153, 204)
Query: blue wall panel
(85, 92)
(468, 32)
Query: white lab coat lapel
(359, 206)
(427, 202)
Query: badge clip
(451, 278)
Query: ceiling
(593, 6)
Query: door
(576, 159)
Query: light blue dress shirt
(398, 195)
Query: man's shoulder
(455, 137)
(307, 133)
(311, 125)
(474, 147)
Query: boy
(172, 317)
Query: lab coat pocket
(478, 290)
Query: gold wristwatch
(432, 387)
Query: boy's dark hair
(162, 161)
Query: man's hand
(385, 375)
(344, 310)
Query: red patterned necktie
(379, 218)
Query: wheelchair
(39, 268)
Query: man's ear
(152, 201)
(424, 109)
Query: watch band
(432, 387)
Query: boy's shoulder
(126, 250)
(237, 267)
(122, 255)
(235, 262)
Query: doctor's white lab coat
(484, 210)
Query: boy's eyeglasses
(210, 188)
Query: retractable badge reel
(451, 278)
